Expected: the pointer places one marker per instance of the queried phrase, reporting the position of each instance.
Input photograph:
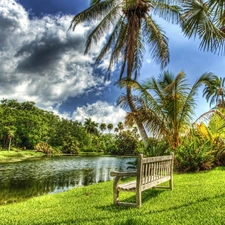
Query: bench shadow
(146, 196)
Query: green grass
(13, 156)
(196, 199)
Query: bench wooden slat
(151, 172)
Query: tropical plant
(205, 19)
(126, 143)
(165, 105)
(102, 127)
(130, 27)
(70, 145)
(194, 154)
(43, 147)
(215, 92)
(90, 126)
(110, 127)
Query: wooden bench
(150, 172)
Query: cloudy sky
(42, 61)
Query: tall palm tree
(90, 126)
(129, 26)
(102, 127)
(110, 127)
(215, 92)
(205, 18)
(165, 105)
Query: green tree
(110, 127)
(126, 142)
(166, 105)
(102, 127)
(132, 28)
(90, 126)
(120, 126)
(214, 92)
(205, 19)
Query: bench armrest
(123, 174)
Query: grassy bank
(196, 199)
(18, 155)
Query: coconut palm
(165, 105)
(207, 20)
(129, 27)
(215, 92)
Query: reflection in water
(22, 180)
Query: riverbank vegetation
(25, 126)
(197, 198)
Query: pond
(22, 180)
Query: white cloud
(40, 60)
(100, 112)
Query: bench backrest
(152, 169)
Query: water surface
(22, 180)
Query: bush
(70, 146)
(44, 147)
(156, 147)
(194, 155)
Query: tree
(90, 126)
(102, 127)
(215, 92)
(205, 19)
(120, 126)
(132, 28)
(166, 105)
(110, 127)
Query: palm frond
(200, 20)
(103, 27)
(167, 11)
(96, 11)
(157, 41)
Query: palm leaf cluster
(129, 26)
(205, 19)
(165, 105)
(215, 92)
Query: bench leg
(138, 198)
(115, 190)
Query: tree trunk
(138, 123)
(132, 44)
(10, 141)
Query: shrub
(156, 147)
(43, 147)
(70, 146)
(194, 155)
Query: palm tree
(90, 126)
(120, 126)
(102, 127)
(110, 127)
(215, 92)
(165, 105)
(130, 27)
(207, 20)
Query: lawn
(19, 155)
(197, 198)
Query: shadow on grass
(146, 195)
(114, 218)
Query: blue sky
(43, 61)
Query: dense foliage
(25, 126)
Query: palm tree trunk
(139, 124)
(132, 43)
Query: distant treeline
(25, 126)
